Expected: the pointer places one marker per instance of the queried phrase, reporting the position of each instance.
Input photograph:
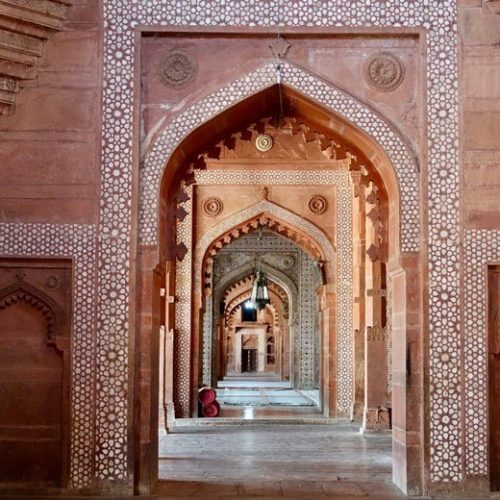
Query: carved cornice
(25, 26)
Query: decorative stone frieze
(25, 25)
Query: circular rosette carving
(212, 206)
(264, 142)
(384, 71)
(177, 68)
(52, 282)
(288, 261)
(318, 204)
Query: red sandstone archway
(405, 270)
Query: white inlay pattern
(439, 19)
(77, 242)
(482, 247)
(327, 95)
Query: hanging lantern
(260, 293)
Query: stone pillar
(229, 350)
(147, 365)
(359, 252)
(237, 352)
(167, 346)
(407, 374)
(261, 350)
(328, 302)
(375, 414)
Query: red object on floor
(211, 409)
(206, 395)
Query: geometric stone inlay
(481, 247)
(78, 242)
(439, 20)
(322, 92)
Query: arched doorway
(372, 176)
(288, 329)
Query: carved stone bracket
(25, 25)
(373, 198)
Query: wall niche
(35, 335)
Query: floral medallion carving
(288, 261)
(212, 206)
(318, 204)
(177, 68)
(264, 143)
(384, 71)
(52, 282)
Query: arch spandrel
(293, 220)
(374, 129)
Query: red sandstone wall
(339, 59)
(479, 31)
(49, 148)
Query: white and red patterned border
(439, 18)
(77, 242)
(325, 94)
(481, 247)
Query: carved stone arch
(260, 221)
(211, 311)
(389, 152)
(24, 292)
(276, 275)
(236, 303)
(278, 297)
(275, 288)
(269, 210)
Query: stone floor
(263, 397)
(272, 461)
(276, 461)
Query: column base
(169, 415)
(357, 412)
(376, 419)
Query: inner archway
(286, 370)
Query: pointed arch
(24, 292)
(387, 151)
(280, 285)
(267, 211)
(275, 275)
